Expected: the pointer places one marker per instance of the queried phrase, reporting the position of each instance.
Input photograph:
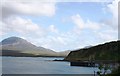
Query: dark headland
(107, 53)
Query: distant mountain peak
(12, 40)
(16, 46)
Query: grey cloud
(32, 8)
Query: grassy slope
(107, 51)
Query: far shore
(33, 56)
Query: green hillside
(107, 51)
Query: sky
(60, 25)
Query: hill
(107, 51)
(15, 46)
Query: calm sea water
(41, 65)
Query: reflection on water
(41, 65)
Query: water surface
(41, 65)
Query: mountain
(15, 46)
(106, 51)
(63, 53)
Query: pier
(91, 63)
(82, 63)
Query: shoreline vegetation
(107, 51)
(105, 54)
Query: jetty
(91, 63)
(82, 63)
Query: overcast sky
(60, 25)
